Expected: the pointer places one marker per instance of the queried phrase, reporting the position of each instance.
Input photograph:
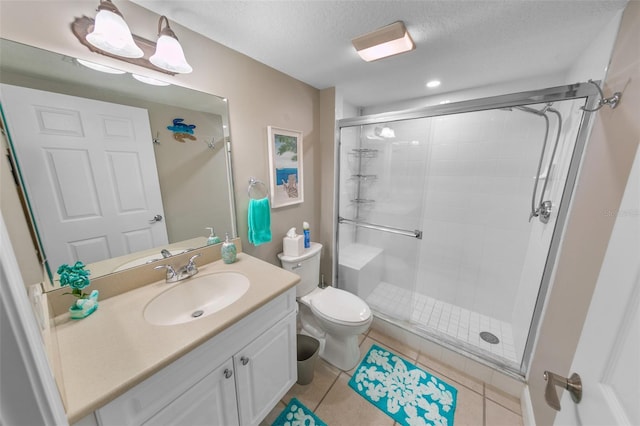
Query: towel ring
(258, 187)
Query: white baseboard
(528, 419)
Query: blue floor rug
(296, 414)
(406, 393)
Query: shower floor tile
(442, 317)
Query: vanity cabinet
(211, 401)
(265, 370)
(235, 378)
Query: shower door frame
(553, 94)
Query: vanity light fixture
(433, 83)
(112, 34)
(99, 67)
(109, 35)
(149, 80)
(384, 42)
(169, 54)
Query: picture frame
(285, 166)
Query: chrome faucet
(184, 272)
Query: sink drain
(197, 313)
(489, 337)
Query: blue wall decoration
(181, 130)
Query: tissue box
(293, 247)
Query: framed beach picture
(285, 167)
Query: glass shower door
(380, 210)
(442, 224)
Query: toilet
(335, 317)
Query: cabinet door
(211, 401)
(265, 370)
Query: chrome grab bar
(415, 234)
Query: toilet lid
(340, 305)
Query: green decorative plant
(75, 277)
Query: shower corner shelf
(365, 152)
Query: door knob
(156, 218)
(573, 384)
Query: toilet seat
(340, 307)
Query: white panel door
(90, 174)
(609, 349)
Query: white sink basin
(147, 259)
(195, 298)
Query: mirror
(187, 139)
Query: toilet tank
(307, 266)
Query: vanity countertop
(115, 348)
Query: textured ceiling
(462, 43)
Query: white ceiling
(462, 43)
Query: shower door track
(559, 93)
(415, 234)
(552, 94)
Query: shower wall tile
(476, 173)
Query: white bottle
(228, 250)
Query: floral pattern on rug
(297, 414)
(406, 393)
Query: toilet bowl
(333, 316)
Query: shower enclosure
(450, 216)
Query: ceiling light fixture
(433, 83)
(112, 34)
(169, 54)
(384, 42)
(109, 35)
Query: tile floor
(437, 316)
(331, 398)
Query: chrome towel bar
(415, 234)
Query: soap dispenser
(228, 250)
(213, 238)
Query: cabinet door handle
(227, 373)
(244, 360)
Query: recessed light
(433, 83)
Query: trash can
(307, 348)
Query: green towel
(259, 221)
